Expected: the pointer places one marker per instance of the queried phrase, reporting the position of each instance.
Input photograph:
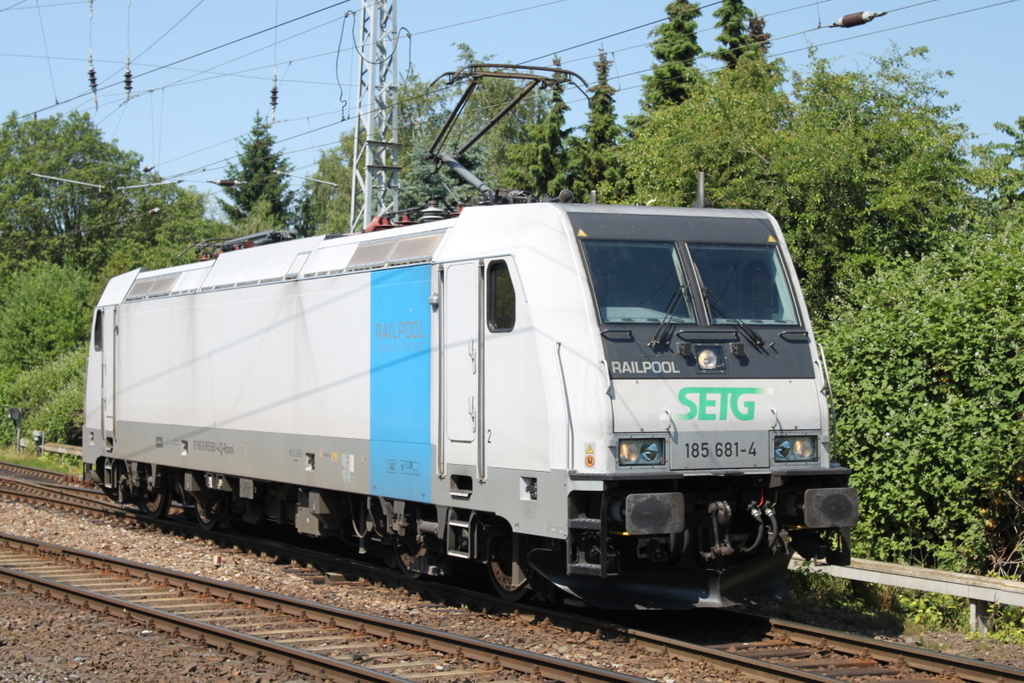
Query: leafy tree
(732, 128)
(258, 163)
(734, 19)
(1000, 172)
(675, 47)
(59, 221)
(47, 309)
(63, 240)
(323, 208)
(928, 370)
(860, 168)
(82, 226)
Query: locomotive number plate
(715, 450)
(718, 449)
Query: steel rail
(418, 636)
(33, 472)
(771, 672)
(74, 498)
(210, 634)
(897, 654)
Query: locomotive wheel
(406, 557)
(156, 501)
(499, 569)
(208, 509)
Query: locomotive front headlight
(796, 448)
(707, 359)
(641, 452)
(805, 448)
(628, 452)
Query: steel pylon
(375, 153)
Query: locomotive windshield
(744, 283)
(645, 282)
(638, 282)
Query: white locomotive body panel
(521, 385)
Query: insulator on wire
(92, 77)
(856, 19)
(128, 76)
(273, 98)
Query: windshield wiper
(748, 333)
(664, 331)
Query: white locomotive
(624, 403)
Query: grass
(829, 602)
(55, 462)
(876, 610)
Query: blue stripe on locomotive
(400, 391)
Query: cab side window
(501, 298)
(97, 332)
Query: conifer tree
(593, 160)
(540, 165)
(755, 28)
(734, 20)
(258, 182)
(675, 47)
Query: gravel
(39, 642)
(43, 642)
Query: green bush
(1006, 624)
(51, 397)
(46, 312)
(928, 372)
(931, 611)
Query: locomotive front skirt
(622, 405)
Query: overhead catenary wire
(344, 119)
(155, 42)
(15, 6)
(273, 87)
(197, 54)
(171, 28)
(611, 51)
(798, 33)
(128, 56)
(174, 63)
(223, 162)
(846, 38)
(46, 49)
(92, 68)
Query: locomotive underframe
(696, 540)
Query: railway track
(37, 474)
(788, 652)
(310, 638)
(73, 498)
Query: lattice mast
(375, 155)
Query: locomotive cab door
(484, 368)
(107, 328)
(462, 366)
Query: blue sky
(194, 93)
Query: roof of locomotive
(321, 255)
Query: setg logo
(703, 403)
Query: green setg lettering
(717, 403)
